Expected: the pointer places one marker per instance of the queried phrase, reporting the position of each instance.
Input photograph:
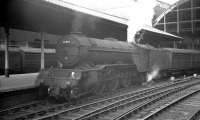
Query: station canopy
(150, 31)
(59, 17)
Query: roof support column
(192, 23)
(178, 20)
(174, 44)
(165, 26)
(6, 32)
(192, 16)
(42, 51)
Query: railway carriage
(26, 59)
(31, 57)
(169, 61)
(183, 60)
(15, 64)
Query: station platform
(17, 82)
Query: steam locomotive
(100, 65)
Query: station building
(182, 19)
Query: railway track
(117, 110)
(23, 109)
(40, 105)
(13, 98)
(90, 110)
(185, 107)
(195, 115)
(149, 109)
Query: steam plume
(153, 74)
(77, 23)
(81, 22)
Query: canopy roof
(157, 32)
(49, 16)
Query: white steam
(195, 75)
(153, 74)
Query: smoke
(77, 23)
(153, 74)
(82, 22)
(195, 75)
(92, 21)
